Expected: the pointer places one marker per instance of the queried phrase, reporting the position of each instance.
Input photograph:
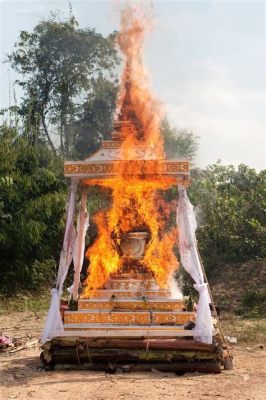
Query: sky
(206, 61)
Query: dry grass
(245, 330)
(23, 302)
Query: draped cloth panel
(66, 255)
(53, 324)
(79, 248)
(190, 260)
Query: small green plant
(73, 305)
(189, 303)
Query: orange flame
(135, 98)
(137, 204)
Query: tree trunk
(47, 134)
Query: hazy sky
(206, 61)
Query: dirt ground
(22, 378)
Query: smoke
(199, 216)
(176, 292)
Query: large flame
(137, 201)
(135, 98)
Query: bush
(253, 304)
(32, 211)
(232, 214)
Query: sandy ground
(22, 378)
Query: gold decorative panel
(172, 318)
(113, 168)
(134, 318)
(131, 305)
(75, 317)
(107, 294)
(111, 144)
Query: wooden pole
(80, 241)
(229, 363)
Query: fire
(135, 99)
(137, 201)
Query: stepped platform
(132, 323)
(134, 301)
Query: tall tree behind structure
(59, 64)
(178, 143)
(94, 121)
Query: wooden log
(47, 345)
(47, 359)
(163, 344)
(80, 354)
(200, 366)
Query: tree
(32, 202)
(59, 64)
(95, 120)
(231, 205)
(178, 143)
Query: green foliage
(32, 205)
(231, 210)
(178, 143)
(59, 64)
(95, 119)
(253, 304)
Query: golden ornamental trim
(111, 144)
(113, 168)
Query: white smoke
(176, 292)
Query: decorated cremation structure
(124, 314)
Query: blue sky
(206, 61)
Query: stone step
(132, 294)
(130, 304)
(127, 317)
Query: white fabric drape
(187, 225)
(53, 323)
(78, 255)
(66, 255)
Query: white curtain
(187, 225)
(53, 324)
(79, 248)
(66, 255)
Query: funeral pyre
(134, 234)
